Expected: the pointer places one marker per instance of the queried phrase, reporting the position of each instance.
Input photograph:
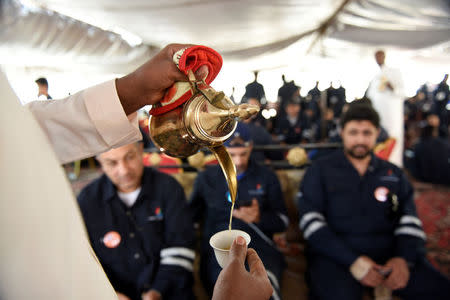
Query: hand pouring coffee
(193, 115)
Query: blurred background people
(254, 90)
(290, 127)
(441, 98)
(260, 136)
(312, 102)
(429, 158)
(336, 99)
(286, 93)
(42, 84)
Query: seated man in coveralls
(358, 217)
(290, 126)
(139, 227)
(259, 209)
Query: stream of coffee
(229, 170)
(231, 214)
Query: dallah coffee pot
(193, 115)
(207, 119)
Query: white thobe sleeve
(87, 123)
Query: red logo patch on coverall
(112, 239)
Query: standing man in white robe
(387, 95)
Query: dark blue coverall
(344, 215)
(156, 236)
(209, 203)
(429, 160)
(441, 98)
(288, 133)
(254, 90)
(260, 137)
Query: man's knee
(426, 282)
(209, 271)
(328, 280)
(275, 281)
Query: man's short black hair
(42, 81)
(360, 112)
(294, 101)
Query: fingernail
(240, 240)
(202, 72)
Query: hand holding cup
(235, 282)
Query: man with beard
(358, 217)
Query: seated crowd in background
(357, 216)
(315, 118)
(145, 240)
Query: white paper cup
(221, 243)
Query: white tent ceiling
(238, 29)
(116, 35)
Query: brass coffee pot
(207, 119)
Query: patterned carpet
(433, 208)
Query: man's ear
(378, 132)
(99, 160)
(140, 146)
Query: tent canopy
(116, 36)
(101, 32)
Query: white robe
(44, 249)
(389, 105)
